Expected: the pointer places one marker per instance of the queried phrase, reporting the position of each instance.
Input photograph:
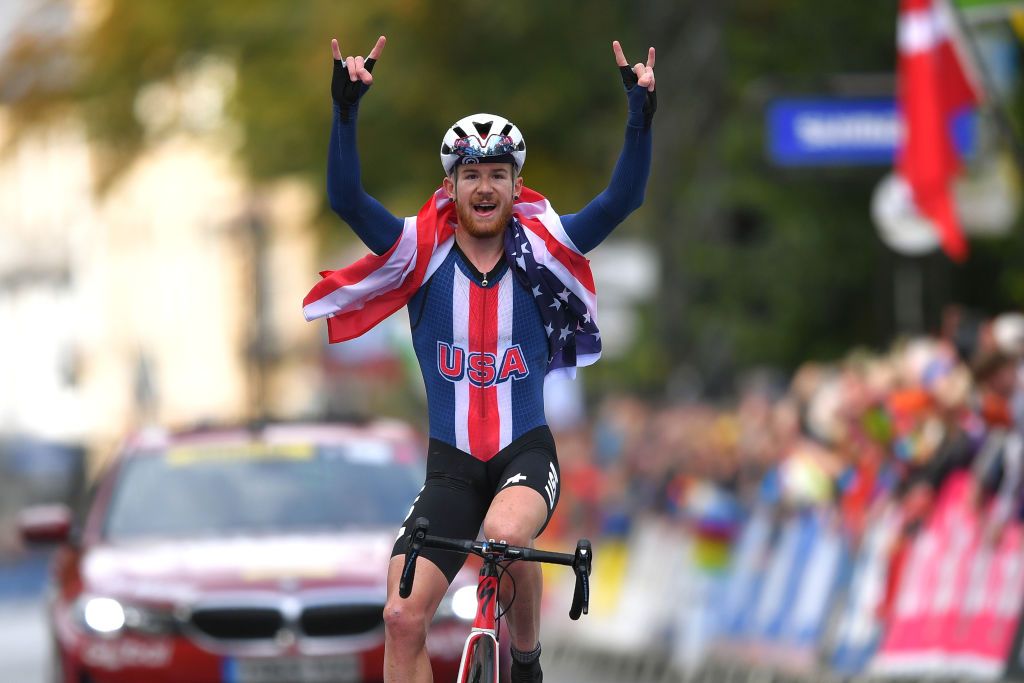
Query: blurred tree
(767, 265)
(818, 280)
(438, 65)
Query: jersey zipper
(483, 324)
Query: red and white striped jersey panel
(482, 324)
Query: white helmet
(482, 138)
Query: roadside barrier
(799, 602)
(959, 597)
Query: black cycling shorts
(459, 489)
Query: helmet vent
(482, 139)
(483, 128)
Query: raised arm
(625, 191)
(377, 227)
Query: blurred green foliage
(438, 66)
(760, 265)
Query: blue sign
(845, 132)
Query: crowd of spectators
(851, 435)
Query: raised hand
(352, 77)
(642, 73)
(358, 68)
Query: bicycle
(479, 662)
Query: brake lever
(582, 565)
(416, 538)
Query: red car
(239, 556)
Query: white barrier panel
(860, 627)
(657, 573)
(746, 575)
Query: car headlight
(464, 603)
(460, 603)
(104, 616)
(109, 617)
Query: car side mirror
(45, 524)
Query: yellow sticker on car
(189, 455)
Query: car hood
(183, 570)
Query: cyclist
(499, 297)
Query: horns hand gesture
(642, 74)
(352, 75)
(638, 75)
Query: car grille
(238, 623)
(265, 623)
(341, 620)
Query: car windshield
(259, 489)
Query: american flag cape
(356, 298)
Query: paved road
(23, 648)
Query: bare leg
(516, 515)
(406, 622)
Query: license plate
(293, 670)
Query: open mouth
(484, 209)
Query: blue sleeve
(625, 191)
(377, 227)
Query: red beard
(489, 227)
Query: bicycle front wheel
(482, 661)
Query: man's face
(483, 197)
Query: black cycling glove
(629, 79)
(345, 91)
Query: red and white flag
(934, 85)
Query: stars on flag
(560, 308)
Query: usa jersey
(483, 351)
